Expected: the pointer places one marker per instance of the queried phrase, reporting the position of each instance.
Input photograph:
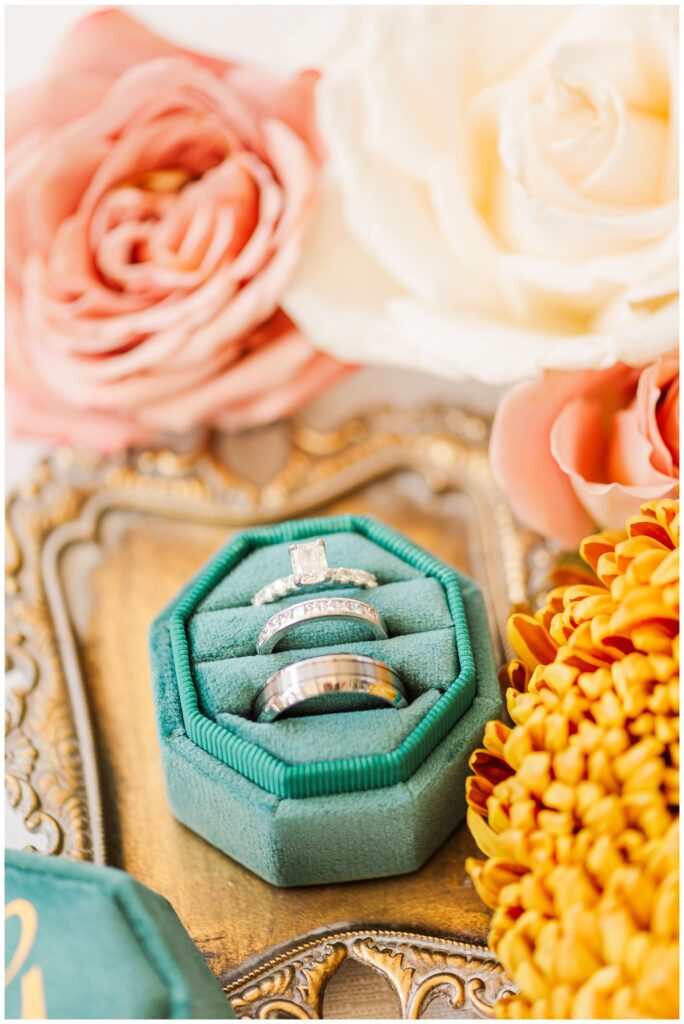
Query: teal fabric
(320, 775)
(346, 548)
(300, 740)
(105, 946)
(421, 648)
(342, 837)
(409, 609)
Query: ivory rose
(502, 191)
(156, 205)
(573, 450)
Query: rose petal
(524, 464)
(653, 383)
(290, 102)
(39, 414)
(389, 214)
(150, 236)
(110, 42)
(281, 400)
(611, 504)
(274, 363)
(667, 416)
(46, 105)
(579, 449)
(490, 225)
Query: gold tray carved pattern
(95, 547)
(417, 967)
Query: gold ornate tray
(95, 549)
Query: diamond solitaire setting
(309, 563)
(310, 569)
(318, 608)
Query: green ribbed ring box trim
(344, 775)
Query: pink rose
(572, 450)
(157, 202)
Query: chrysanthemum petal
(577, 805)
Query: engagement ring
(310, 569)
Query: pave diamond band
(310, 569)
(287, 585)
(318, 608)
(305, 682)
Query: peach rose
(573, 450)
(156, 205)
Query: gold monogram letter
(32, 989)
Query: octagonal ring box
(335, 796)
(84, 942)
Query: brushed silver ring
(310, 569)
(317, 608)
(306, 681)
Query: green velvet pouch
(86, 942)
(334, 796)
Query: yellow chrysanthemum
(577, 806)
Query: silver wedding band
(310, 569)
(316, 609)
(306, 681)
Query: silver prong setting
(310, 569)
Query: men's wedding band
(305, 682)
(314, 609)
(310, 568)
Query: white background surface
(279, 37)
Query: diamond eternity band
(318, 608)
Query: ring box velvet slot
(327, 797)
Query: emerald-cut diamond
(309, 563)
(310, 568)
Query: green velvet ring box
(84, 942)
(328, 797)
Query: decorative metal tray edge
(416, 967)
(51, 771)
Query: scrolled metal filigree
(52, 771)
(417, 968)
